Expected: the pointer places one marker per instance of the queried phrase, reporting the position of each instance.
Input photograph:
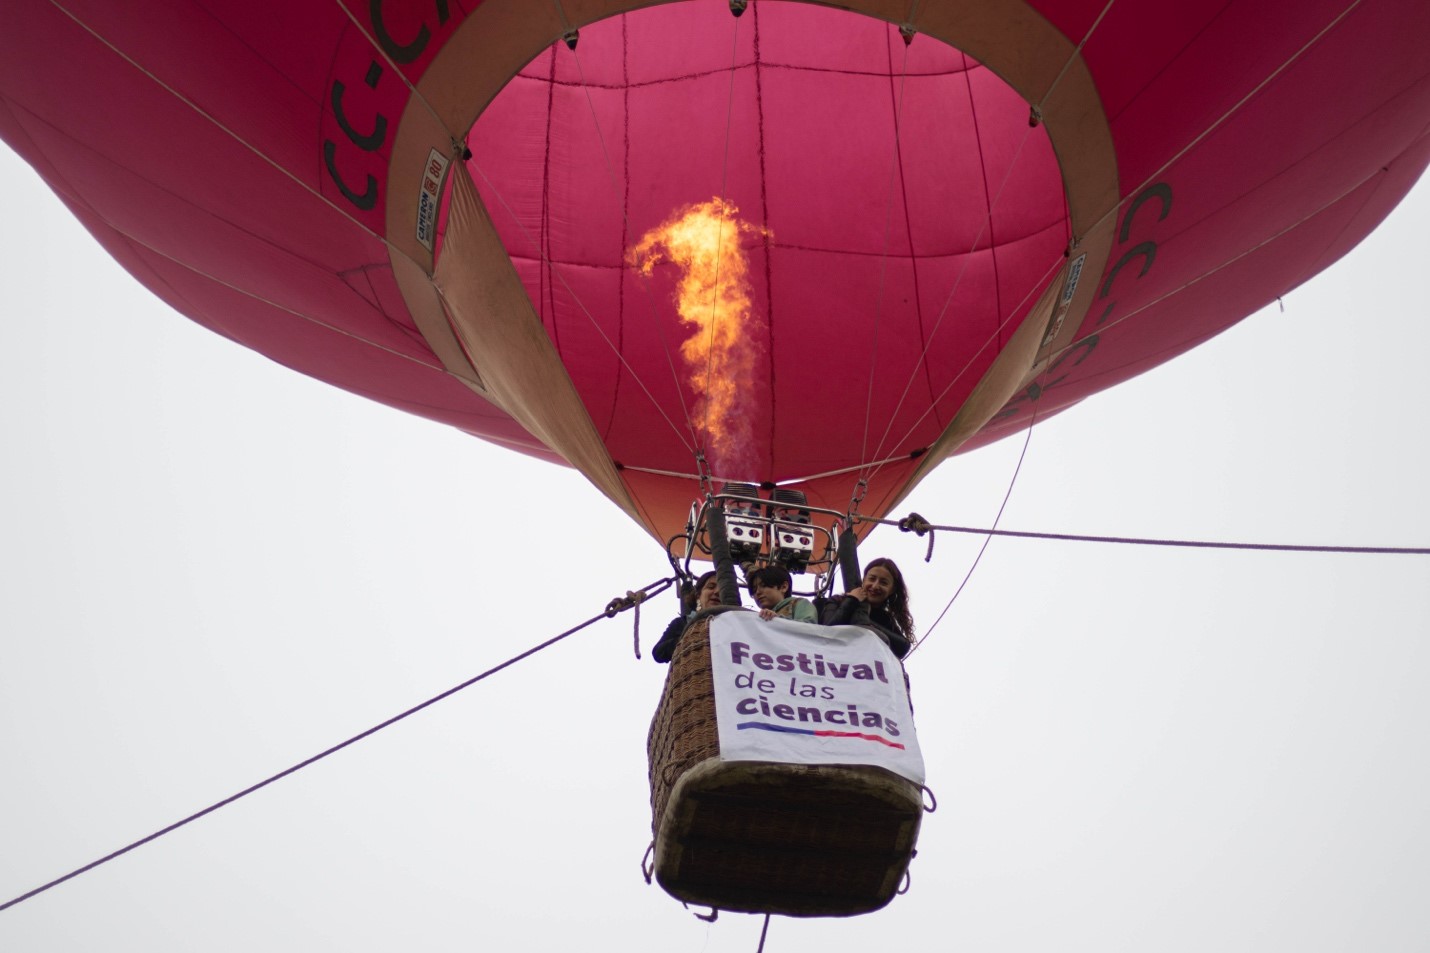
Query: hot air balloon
(443, 209)
(925, 224)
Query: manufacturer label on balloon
(810, 694)
(1074, 273)
(430, 199)
(1069, 289)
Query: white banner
(810, 694)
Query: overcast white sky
(211, 568)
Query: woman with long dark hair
(880, 602)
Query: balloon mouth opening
(911, 166)
(901, 224)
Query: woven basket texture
(763, 837)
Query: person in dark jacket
(880, 603)
(704, 595)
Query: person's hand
(767, 614)
(858, 593)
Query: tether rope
(764, 930)
(916, 524)
(619, 604)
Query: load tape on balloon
(808, 694)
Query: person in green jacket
(770, 586)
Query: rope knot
(630, 600)
(916, 524)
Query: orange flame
(713, 299)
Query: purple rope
(1191, 543)
(317, 757)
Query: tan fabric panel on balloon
(506, 344)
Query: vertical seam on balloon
(895, 169)
(720, 229)
(773, 416)
(943, 311)
(1226, 264)
(556, 273)
(1047, 273)
(909, 228)
(546, 291)
(988, 203)
(644, 283)
(988, 221)
(625, 222)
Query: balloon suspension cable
(1035, 118)
(1035, 112)
(542, 254)
(299, 182)
(986, 225)
(874, 469)
(1231, 111)
(630, 600)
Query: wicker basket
(764, 837)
